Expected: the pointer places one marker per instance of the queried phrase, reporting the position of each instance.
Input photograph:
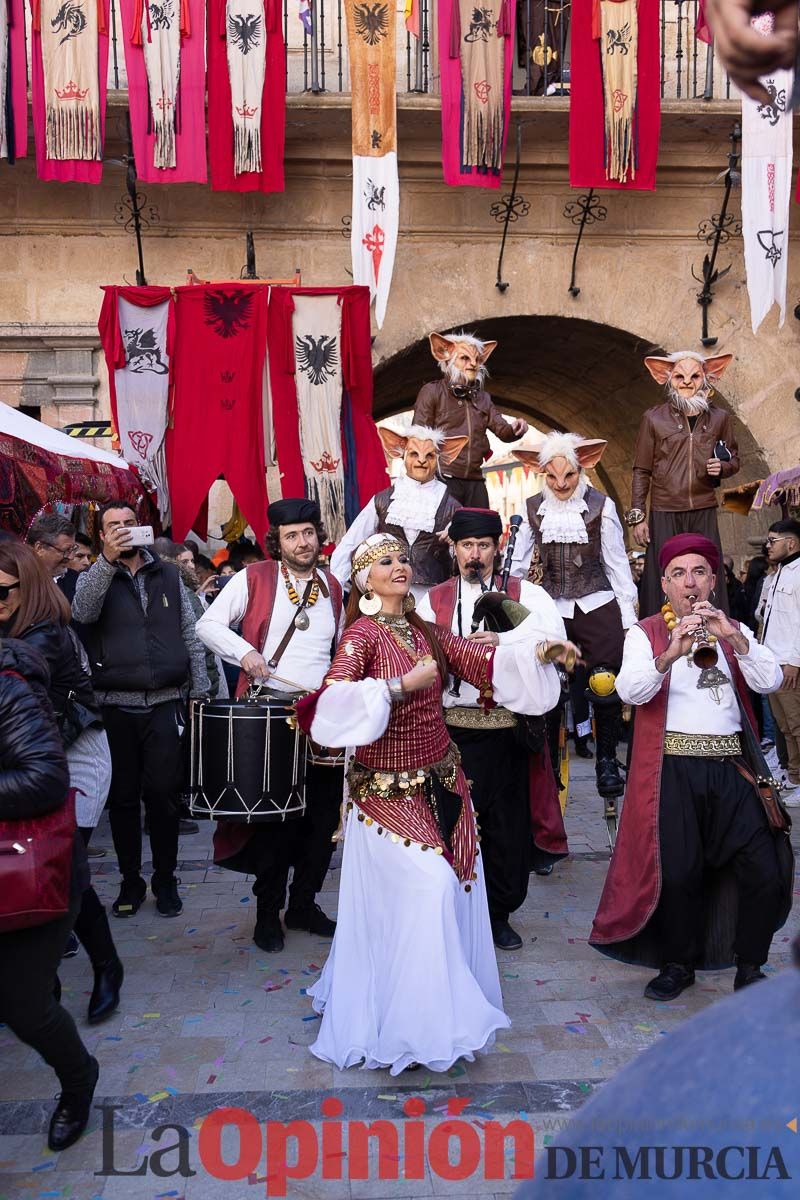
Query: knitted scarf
(246, 35)
(69, 32)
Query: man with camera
(701, 875)
(145, 657)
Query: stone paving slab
(208, 1020)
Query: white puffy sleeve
(349, 709)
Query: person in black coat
(35, 611)
(34, 780)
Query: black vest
(429, 555)
(570, 569)
(134, 651)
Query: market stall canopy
(781, 489)
(40, 466)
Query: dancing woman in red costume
(412, 977)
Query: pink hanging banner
(190, 124)
(67, 170)
(475, 60)
(15, 144)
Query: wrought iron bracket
(716, 231)
(249, 269)
(510, 208)
(133, 212)
(586, 210)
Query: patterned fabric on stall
(32, 478)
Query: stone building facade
(565, 359)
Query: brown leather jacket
(438, 407)
(670, 460)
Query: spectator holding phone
(145, 657)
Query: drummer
(290, 612)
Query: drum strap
(287, 637)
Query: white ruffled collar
(414, 505)
(562, 520)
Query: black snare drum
(248, 760)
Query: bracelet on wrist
(634, 516)
(396, 693)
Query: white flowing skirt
(412, 974)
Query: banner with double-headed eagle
(317, 334)
(69, 64)
(766, 189)
(371, 33)
(246, 95)
(475, 60)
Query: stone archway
(567, 373)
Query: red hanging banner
(615, 94)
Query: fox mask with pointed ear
(420, 453)
(461, 357)
(562, 458)
(688, 377)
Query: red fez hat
(689, 543)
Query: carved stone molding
(48, 364)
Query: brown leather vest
(571, 570)
(430, 557)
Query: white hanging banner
(142, 387)
(317, 337)
(376, 217)
(766, 190)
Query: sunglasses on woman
(6, 589)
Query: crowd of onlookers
(99, 660)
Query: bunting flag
(136, 329)
(246, 95)
(69, 62)
(13, 81)
(411, 17)
(476, 60)
(217, 403)
(317, 335)
(615, 100)
(766, 190)
(165, 62)
(371, 30)
(363, 461)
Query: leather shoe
(504, 937)
(312, 920)
(72, 1114)
(747, 973)
(668, 984)
(268, 935)
(104, 999)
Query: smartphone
(141, 535)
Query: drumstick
(297, 687)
